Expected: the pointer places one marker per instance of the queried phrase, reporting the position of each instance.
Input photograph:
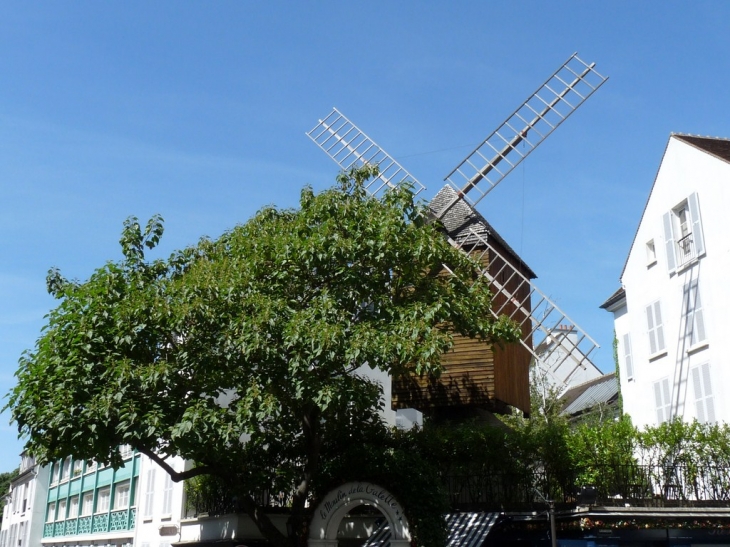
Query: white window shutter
(709, 399)
(149, 500)
(658, 401)
(167, 495)
(704, 398)
(650, 329)
(699, 402)
(658, 325)
(699, 321)
(669, 242)
(694, 212)
(667, 400)
(627, 357)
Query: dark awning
(465, 530)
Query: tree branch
(177, 476)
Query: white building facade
(670, 314)
(23, 514)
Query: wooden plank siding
(476, 373)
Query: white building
(73, 503)
(23, 514)
(671, 312)
(160, 505)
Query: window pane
(121, 496)
(87, 504)
(102, 501)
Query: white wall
(684, 170)
(159, 508)
(23, 523)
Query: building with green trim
(88, 503)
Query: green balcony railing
(115, 521)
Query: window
(121, 495)
(56, 472)
(149, 493)
(704, 401)
(683, 233)
(66, 469)
(103, 497)
(26, 462)
(655, 328)
(62, 510)
(78, 467)
(51, 515)
(88, 504)
(90, 467)
(126, 451)
(627, 357)
(662, 397)
(167, 496)
(694, 322)
(650, 253)
(73, 507)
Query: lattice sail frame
(349, 147)
(548, 107)
(548, 324)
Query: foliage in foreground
(5, 480)
(474, 460)
(256, 336)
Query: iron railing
(686, 250)
(670, 485)
(616, 485)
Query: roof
(599, 391)
(615, 298)
(462, 221)
(715, 146)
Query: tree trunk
(297, 522)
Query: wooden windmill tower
(477, 375)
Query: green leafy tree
(241, 353)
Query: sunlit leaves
(253, 336)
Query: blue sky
(197, 111)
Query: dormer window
(683, 234)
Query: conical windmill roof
(466, 226)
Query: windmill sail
(349, 147)
(537, 117)
(514, 292)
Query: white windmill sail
(349, 147)
(520, 298)
(538, 116)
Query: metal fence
(670, 485)
(637, 485)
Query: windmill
(543, 323)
